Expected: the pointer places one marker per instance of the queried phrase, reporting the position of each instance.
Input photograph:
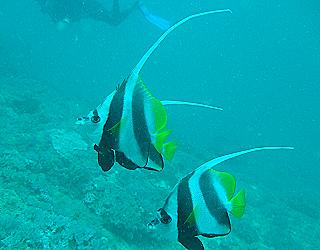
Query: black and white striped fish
(199, 205)
(131, 123)
(97, 120)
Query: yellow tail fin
(160, 139)
(238, 204)
(169, 150)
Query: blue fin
(158, 21)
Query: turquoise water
(261, 64)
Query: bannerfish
(199, 205)
(132, 123)
(96, 120)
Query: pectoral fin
(192, 218)
(115, 129)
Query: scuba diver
(64, 12)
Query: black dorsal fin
(121, 86)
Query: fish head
(96, 118)
(164, 224)
(98, 115)
(93, 124)
(93, 118)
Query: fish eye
(95, 119)
(166, 219)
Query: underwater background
(261, 64)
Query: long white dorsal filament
(223, 158)
(146, 56)
(167, 102)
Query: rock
(67, 143)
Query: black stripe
(185, 208)
(140, 128)
(109, 141)
(211, 198)
(155, 156)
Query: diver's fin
(145, 57)
(153, 19)
(238, 204)
(192, 243)
(167, 102)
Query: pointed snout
(82, 120)
(152, 225)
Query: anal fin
(125, 162)
(191, 243)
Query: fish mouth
(82, 120)
(152, 225)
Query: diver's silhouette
(68, 11)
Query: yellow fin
(158, 119)
(238, 204)
(159, 114)
(227, 181)
(192, 218)
(160, 139)
(169, 149)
